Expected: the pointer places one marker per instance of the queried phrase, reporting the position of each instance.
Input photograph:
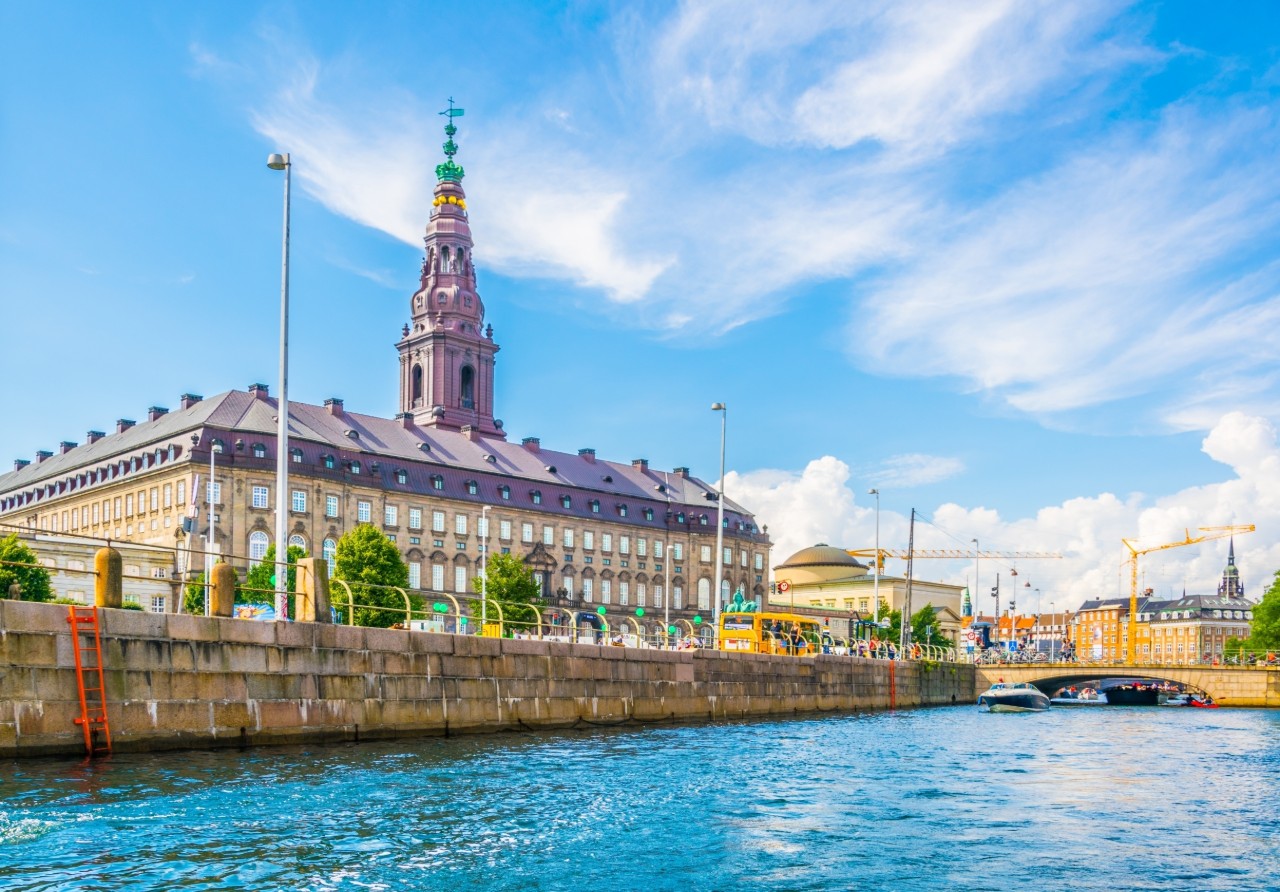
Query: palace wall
(178, 681)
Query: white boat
(1020, 697)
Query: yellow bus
(770, 633)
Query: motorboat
(1177, 700)
(1020, 697)
(1083, 697)
(1132, 694)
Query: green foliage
(1265, 628)
(34, 579)
(509, 582)
(925, 628)
(193, 596)
(366, 558)
(258, 587)
(131, 605)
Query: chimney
(682, 473)
(259, 391)
(155, 412)
(588, 454)
(20, 463)
(471, 432)
(533, 444)
(187, 400)
(640, 464)
(406, 420)
(334, 405)
(123, 424)
(94, 436)
(66, 446)
(42, 455)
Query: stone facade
(176, 681)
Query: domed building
(826, 581)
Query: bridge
(1228, 685)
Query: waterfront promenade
(178, 681)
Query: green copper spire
(449, 171)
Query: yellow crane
(952, 553)
(1209, 533)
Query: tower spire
(447, 352)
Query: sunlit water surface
(1107, 799)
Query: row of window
(108, 510)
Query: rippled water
(1080, 800)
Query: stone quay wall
(178, 682)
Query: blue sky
(1014, 263)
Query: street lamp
(484, 567)
(214, 448)
(875, 603)
(1053, 633)
(666, 562)
(282, 162)
(715, 613)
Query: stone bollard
(313, 591)
(222, 596)
(108, 585)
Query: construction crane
(946, 553)
(1134, 551)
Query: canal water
(934, 799)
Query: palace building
(440, 479)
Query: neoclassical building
(440, 479)
(831, 581)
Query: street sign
(784, 585)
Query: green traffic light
(273, 579)
(697, 620)
(671, 630)
(639, 611)
(601, 611)
(440, 607)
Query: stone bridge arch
(1227, 685)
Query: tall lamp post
(484, 568)
(875, 597)
(282, 162)
(214, 449)
(666, 562)
(715, 613)
(1053, 631)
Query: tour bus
(770, 633)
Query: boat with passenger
(1019, 697)
(1132, 693)
(1085, 696)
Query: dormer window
(680, 517)
(296, 455)
(622, 510)
(505, 492)
(702, 519)
(402, 477)
(566, 502)
(473, 488)
(536, 495)
(437, 481)
(595, 506)
(328, 462)
(355, 467)
(648, 514)
(259, 450)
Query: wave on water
(22, 829)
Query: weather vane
(449, 170)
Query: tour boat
(1132, 694)
(1020, 697)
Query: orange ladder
(86, 644)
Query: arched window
(415, 385)
(259, 450)
(297, 540)
(466, 386)
(258, 543)
(704, 593)
(328, 551)
(724, 591)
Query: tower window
(415, 385)
(466, 382)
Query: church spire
(447, 353)
(1231, 586)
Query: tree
(193, 596)
(33, 579)
(509, 582)
(925, 628)
(258, 583)
(1265, 628)
(368, 561)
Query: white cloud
(915, 469)
(1128, 267)
(819, 505)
